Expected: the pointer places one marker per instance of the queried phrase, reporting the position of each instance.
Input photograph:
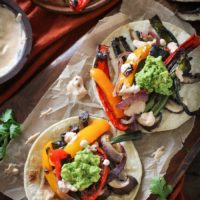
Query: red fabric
(51, 36)
(178, 191)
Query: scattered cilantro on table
(9, 129)
(159, 187)
(67, 2)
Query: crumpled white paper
(61, 105)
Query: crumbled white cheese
(12, 170)
(76, 87)
(136, 107)
(94, 147)
(46, 112)
(179, 74)
(69, 136)
(106, 162)
(32, 138)
(147, 119)
(129, 90)
(138, 43)
(158, 153)
(172, 46)
(19, 17)
(66, 186)
(162, 42)
(131, 57)
(84, 143)
(125, 66)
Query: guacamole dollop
(83, 171)
(154, 77)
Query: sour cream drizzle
(12, 40)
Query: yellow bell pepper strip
(90, 133)
(140, 54)
(48, 170)
(107, 87)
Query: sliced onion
(112, 153)
(132, 127)
(114, 173)
(126, 102)
(129, 121)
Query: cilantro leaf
(9, 129)
(15, 130)
(6, 116)
(160, 188)
(67, 2)
(3, 148)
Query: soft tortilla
(170, 120)
(34, 181)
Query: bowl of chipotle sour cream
(15, 39)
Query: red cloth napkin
(178, 191)
(53, 33)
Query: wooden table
(25, 100)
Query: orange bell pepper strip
(107, 87)
(90, 133)
(140, 54)
(48, 170)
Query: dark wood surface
(26, 99)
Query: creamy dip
(12, 39)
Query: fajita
(147, 76)
(74, 159)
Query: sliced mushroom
(158, 119)
(123, 187)
(113, 153)
(173, 107)
(147, 119)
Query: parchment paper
(62, 105)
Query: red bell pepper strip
(101, 59)
(189, 45)
(56, 156)
(78, 5)
(102, 63)
(94, 192)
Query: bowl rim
(28, 44)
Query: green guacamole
(83, 171)
(155, 77)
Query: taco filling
(83, 164)
(150, 71)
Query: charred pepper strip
(161, 30)
(56, 157)
(78, 5)
(115, 121)
(189, 45)
(103, 65)
(108, 88)
(125, 44)
(95, 191)
(116, 48)
(140, 53)
(48, 169)
(101, 59)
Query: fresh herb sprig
(160, 188)
(9, 129)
